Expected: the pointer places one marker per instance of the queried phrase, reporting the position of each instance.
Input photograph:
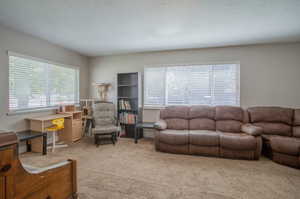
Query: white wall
(270, 74)
(32, 46)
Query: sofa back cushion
(273, 120)
(296, 123)
(176, 117)
(202, 118)
(229, 118)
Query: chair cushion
(286, 145)
(106, 129)
(237, 141)
(104, 113)
(104, 121)
(174, 137)
(204, 138)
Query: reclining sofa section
(281, 133)
(220, 131)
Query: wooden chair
(19, 181)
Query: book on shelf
(124, 105)
(127, 118)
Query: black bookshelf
(128, 101)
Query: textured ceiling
(101, 27)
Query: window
(192, 85)
(39, 84)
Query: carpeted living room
(163, 99)
(130, 171)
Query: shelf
(127, 98)
(127, 110)
(127, 124)
(127, 85)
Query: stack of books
(127, 118)
(124, 105)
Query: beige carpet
(133, 171)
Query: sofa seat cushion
(286, 145)
(174, 137)
(204, 138)
(275, 128)
(237, 141)
(267, 138)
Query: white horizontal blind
(192, 85)
(154, 92)
(37, 84)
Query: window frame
(155, 107)
(46, 108)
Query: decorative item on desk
(102, 89)
(61, 109)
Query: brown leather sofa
(281, 133)
(220, 131)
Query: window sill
(22, 112)
(153, 107)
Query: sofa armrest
(252, 130)
(160, 125)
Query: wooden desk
(41, 123)
(71, 133)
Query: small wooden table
(29, 135)
(139, 126)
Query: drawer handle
(5, 168)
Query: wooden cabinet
(73, 128)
